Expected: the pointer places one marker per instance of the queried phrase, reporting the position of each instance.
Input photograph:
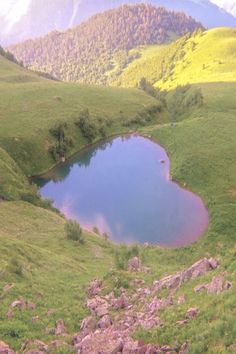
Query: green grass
(29, 108)
(201, 58)
(37, 256)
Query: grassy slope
(35, 105)
(207, 57)
(36, 256)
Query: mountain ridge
(98, 46)
(40, 19)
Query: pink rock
(104, 322)
(21, 304)
(192, 312)
(94, 288)
(134, 265)
(60, 328)
(8, 287)
(182, 299)
(5, 349)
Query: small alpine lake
(123, 187)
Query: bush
(74, 231)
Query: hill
(96, 48)
(18, 26)
(48, 274)
(202, 57)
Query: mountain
(227, 5)
(24, 19)
(201, 57)
(90, 52)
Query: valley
(63, 292)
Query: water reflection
(123, 187)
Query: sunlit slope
(203, 57)
(13, 73)
(31, 105)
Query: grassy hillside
(31, 106)
(52, 272)
(203, 57)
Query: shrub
(74, 231)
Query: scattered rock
(50, 312)
(182, 299)
(184, 349)
(58, 344)
(8, 287)
(10, 314)
(182, 322)
(121, 302)
(21, 304)
(30, 306)
(35, 319)
(88, 324)
(5, 349)
(214, 263)
(192, 313)
(60, 328)
(34, 347)
(218, 285)
(134, 265)
(104, 322)
(199, 288)
(94, 288)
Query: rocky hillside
(38, 17)
(113, 319)
(93, 49)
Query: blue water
(123, 187)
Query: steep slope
(96, 47)
(39, 17)
(203, 57)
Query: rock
(101, 311)
(104, 322)
(214, 263)
(134, 265)
(184, 349)
(181, 299)
(98, 306)
(34, 346)
(88, 324)
(8, 287)
(10, 314)
(182, 322)
(149, 323)
(5, 349)
(21, 304)
(175, 281)
(199, 288)
(121, 302)
(60, 328)
(94, 288)
(50, 312)
(30, 306)
(106, 342)
(192, 313)
(35, 319)
(59, 344)
(217, 285)
(167, 349)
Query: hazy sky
(12, 10)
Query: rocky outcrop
(94, 288)
(134, 265)
(192, 313)
(5, 349)
(217, 285)
(172, 282)
(60, 328)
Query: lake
(123, 187)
